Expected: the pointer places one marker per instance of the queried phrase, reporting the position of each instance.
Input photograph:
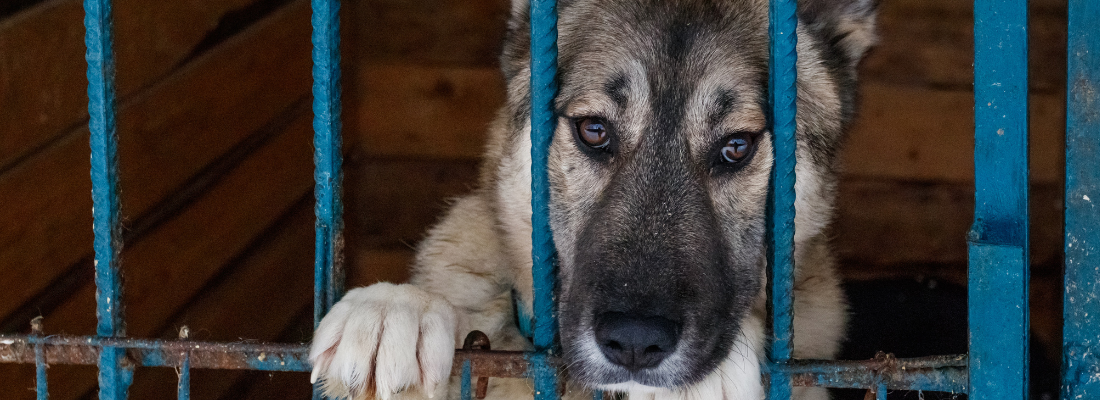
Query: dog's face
(660, 166)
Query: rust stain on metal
(85, 351)
(944, 373)
(936, 373)
(478, 340)
(497, 364)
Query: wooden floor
(216, 162)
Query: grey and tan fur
(655, 226)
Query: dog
(659, 172)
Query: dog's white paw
(382, 339)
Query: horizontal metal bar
(84, 350)
(940, 373)
(496, 364)
(937, 374)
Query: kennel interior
(217, 195)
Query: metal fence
(995, 367)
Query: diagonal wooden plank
(167, 269)
(167, 134)
(42, 82)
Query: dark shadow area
(10, 7)
(914, 318)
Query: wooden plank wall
(216, 161)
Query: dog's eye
(593, 132)
(737, 148)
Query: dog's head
(659, 170)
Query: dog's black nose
(636, 342)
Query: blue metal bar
(544, 87)
(41, 388)
(998, 238)
(328, 267)
(1080, 341)
(880, 391)
(782, 76)
(543, 370)
(114, 378)
(938, 373)
(466, 391)
(328, 262)
(184, 388)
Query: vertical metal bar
(1080, 340)
(466, 392)
(329, 274)
(114, 377)
(880, 391)
(41, 388)
(998, 238)
(544, 87)
(184, 387)
(328, 261)
(782, 26)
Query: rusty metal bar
(496, 364)
(939, 373)
(476, 340)
(84, 350)
(936, 374)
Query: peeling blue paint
(327, 158)
(114, 378)
(1081, 304)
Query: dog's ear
(848, 26)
